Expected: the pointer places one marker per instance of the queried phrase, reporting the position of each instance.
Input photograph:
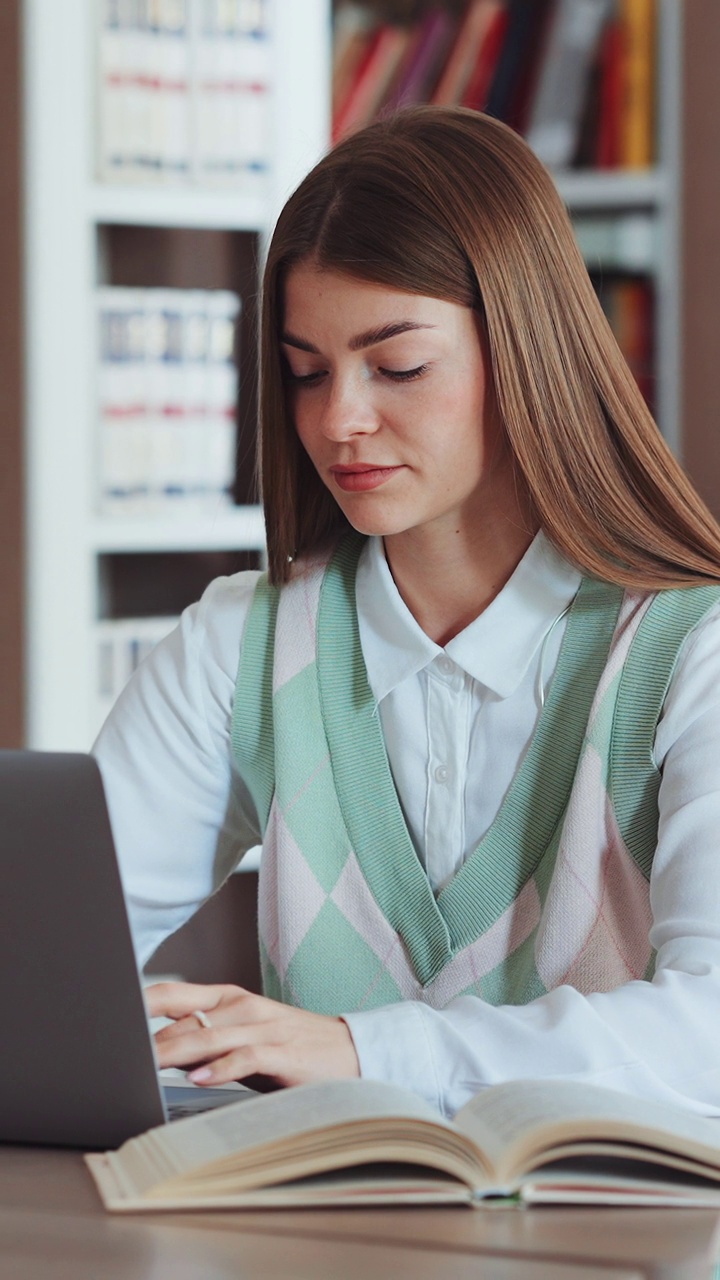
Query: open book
(359, 1142)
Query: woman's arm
(181, 817)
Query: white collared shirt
(457, 721)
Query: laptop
(77, 1066)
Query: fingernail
(200, 1075)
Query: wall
(700, 254)
(11, 468)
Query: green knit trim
(251, 733)
(433, 930)
(513, 848)
(363, 780)
(634, 781)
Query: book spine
(112, 66)
(121, 397)
(478, 89)
(353, 35)
(510, 87)
(220, 447)
(171, 84)
(610, 105)
(167, 399)
(231, 95)
(564, 79)
(639, 36)
(372, 83)
(458, 69)
(425, 57)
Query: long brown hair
(452, 204)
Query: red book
(607, 152)
(371, 84)
(423, 62)
(478, 89)
(455, 77)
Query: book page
(273, 1135)
(514, 1121)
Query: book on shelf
(184, 92)
(603, 144)
(576, 77)
(555, 119)
(637, 24)
(478, 87)
(455, 78)
(167, 399)
(358, 1142)
(518, 66)
(363, 99)
(353, 29)
(419, 70)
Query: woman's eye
(306, 379)
(404, 375)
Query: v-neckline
(434, 929)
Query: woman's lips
(360, 478)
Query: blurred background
(147, 146)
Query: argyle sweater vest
(557, 891)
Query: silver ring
(202, 1018)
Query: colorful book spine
(423, 62)
(564, 79)
(456, 75)
(167, 399)
(520, 55)
(386, 50)
(488, 55)
(606, 150)
(638, 26)
(352, 33)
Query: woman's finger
(178, 999)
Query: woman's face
(390, 400)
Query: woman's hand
(247, 1035)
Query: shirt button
(441, 773)
(447, 666)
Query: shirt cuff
(392, 1045)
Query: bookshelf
(76, 232)
(85, 568)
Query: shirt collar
(495, 650)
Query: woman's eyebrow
(367, 339)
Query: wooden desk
(52, 1225)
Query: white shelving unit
(66, 211)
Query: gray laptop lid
(77, 1065)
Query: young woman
(473, 712)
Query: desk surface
(52, 1224)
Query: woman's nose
(348, 411)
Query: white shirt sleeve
(181, 816)
(658, 1039)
